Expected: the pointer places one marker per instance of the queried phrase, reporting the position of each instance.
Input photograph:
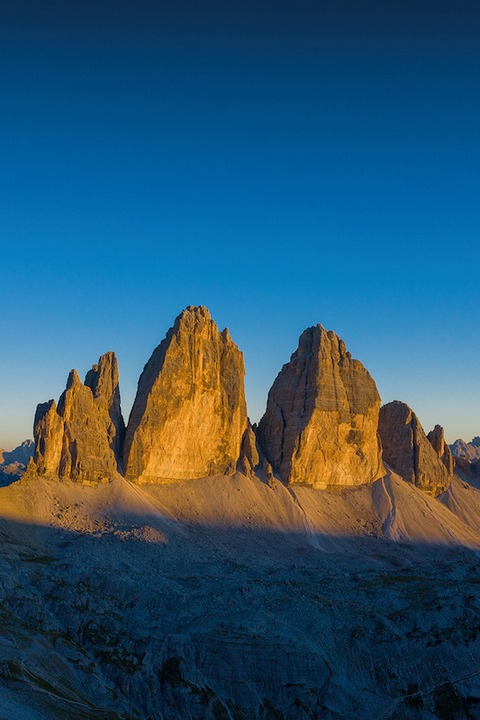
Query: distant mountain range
(13, 463)
(467, 450)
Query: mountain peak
(320, 425)
(189, 415)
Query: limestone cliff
(410, 453)
(76, 440)
(249, 457)
(189, 414)
(102, 379)
(437, 441)
(320, 425)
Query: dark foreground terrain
(231, 598)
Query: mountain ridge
(189, 418)
(248, 593)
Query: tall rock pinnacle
(189, 414)
(320, 425)
(425, 462)
(437, 441)
(102, 379)
(77, 439)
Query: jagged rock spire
(78, 439)
(103, 380)
(437, 441)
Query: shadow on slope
(329, 521)
(241, 622)
(228, 597)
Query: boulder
(320, 425)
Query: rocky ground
(237, 598)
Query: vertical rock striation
(77, 439)
(437, 441)
(13, 464)
(249, 457)
(189, 414)
(320, 425)
(48, 435)
(422, 461)
(102, 379)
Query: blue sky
(281, 163)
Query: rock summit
(189, 414)
(320, 425)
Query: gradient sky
(282, 163)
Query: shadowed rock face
(20, 454)
(189, 415)
(76, 439)
(437, 441)
(466, 458)
(320, 425)
(102, 379)
(419, 460)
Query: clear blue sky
(282, 163)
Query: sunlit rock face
(320, 425)
(48, 433)
(249, 457)
(102, 379)
(77, 439)
(419, 460)
(190, 414)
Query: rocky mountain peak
(420, 460)
(436, 438)
(13, 463)
(466, 451)
(320, 425)
(78, 438)
(73, 379)
(103, 380)
(189, 414)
